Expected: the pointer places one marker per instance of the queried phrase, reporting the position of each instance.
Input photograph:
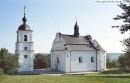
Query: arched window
(80, 60)
(25, 37)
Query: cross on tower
(24, 9)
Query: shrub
(1, 72)
(111, 63)
(124, 61)
(111, 72)
(115, 71)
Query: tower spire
(76, 30)
(24, 18)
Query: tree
(8, 61)
(124, 60)
(125, 17)
(41, 61)
(111, 63)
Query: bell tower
(24, 46)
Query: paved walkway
(51, 72)
(41, 71)
(48, 72)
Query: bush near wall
(1, 72)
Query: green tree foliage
(124, 60)
(41, 61)
(8, 61)
(125, 17)
(111, 63)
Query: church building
(75, 53)
(24, 46)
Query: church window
(25, 37)
(92, 59)
(25, 48)
(67, 56)
(25, 56)
(66, 48)
(80, 60)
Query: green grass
(88, 78)
(115, 71)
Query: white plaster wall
(26, 64)
(21, 45)
(69, 61)
(68, 64)
(86, 65)
(57, 50)
(101, 60)
(20, 35)
(61, 65)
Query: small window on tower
(25, 48)
(25, 37)
(25, 56)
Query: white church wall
(86, 64)
(52, 60)
(21, 36)
(69, 61)
(26, 64)
(58, 65)
(68, 64)
(101, 61)
(21, 45)
(58, 51)
(62, 61)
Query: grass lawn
(88, 78)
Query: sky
(47, 17)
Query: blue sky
(46, 17)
